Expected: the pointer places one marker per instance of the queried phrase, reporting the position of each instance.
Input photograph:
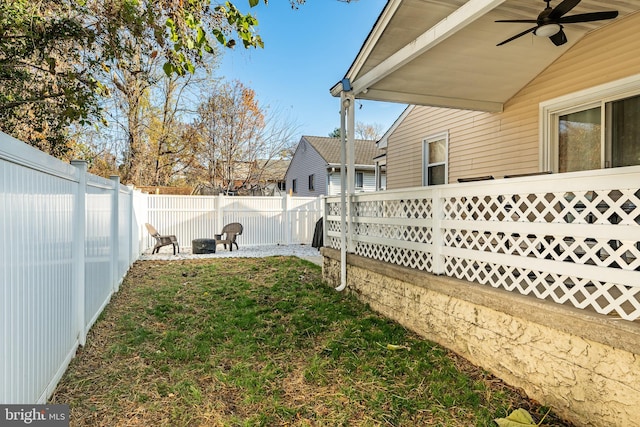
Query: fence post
(78, 253)
(324, 211)
(133, 232)
(220, 216)
(115, 233)
(286, 220)
(436, 225)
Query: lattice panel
(603, 297)
(333, 209)
(409, 208)
(612, 253)
(418, 260)
(395, 232)
(586, 207)
(333, 242)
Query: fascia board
(372, 39)
(434, 101)
(383, 142)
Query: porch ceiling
(443, 52)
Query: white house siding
(508, 143)
(307, 161)
(369, 182)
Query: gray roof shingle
(329, 149)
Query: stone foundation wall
(585, 366)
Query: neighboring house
(254, 178)
(269, 180)
(315, 167)
(527, 271)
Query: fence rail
(571, 238)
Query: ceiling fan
(550, 20)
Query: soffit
(463, 68)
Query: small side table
(203, 246)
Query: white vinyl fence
(266, 220)
(67, 239)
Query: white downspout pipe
(344, 102)
(351, 169)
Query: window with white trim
(594, 129)
(435, 153)
(359, 180)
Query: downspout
(344, 101)
(347, 183)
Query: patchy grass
(263, 342)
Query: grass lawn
(263, 342)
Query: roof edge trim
(383, 142)
(434, 101)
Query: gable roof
(329, 149)
(444, 54)
(273, 169)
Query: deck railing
(571, 238)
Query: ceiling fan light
(547, 30)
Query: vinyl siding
(507, 143)
(369, 182)
(306, 161)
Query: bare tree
(240, 137)
(370, 132)
(363, 131)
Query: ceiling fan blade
(588, 17)
(562, 9)
(559, 38)
(526, 21)
(530, 30)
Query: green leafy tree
(44, 86)
(54, 54)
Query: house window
(294, 186)
(435, 154)
(594, 129)
(311, 184)
(359, 180)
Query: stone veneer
(585, 366)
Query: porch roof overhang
(443, 52)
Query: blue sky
(306, 52)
